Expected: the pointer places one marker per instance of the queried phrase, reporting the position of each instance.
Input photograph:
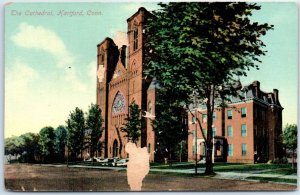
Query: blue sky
(50, 61)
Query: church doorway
(115, 148)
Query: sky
(50, 61)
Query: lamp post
(67, 155)
(196, 148)
(195, 122)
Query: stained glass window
(119, 103)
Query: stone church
(121, 81)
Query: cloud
(33, 100)
(72, 77)
(120, 38)
(92, 69)
(38, 37)
(19, 78)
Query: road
(21, 177)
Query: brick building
(252, 126)
(121, 81)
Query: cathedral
(247, 132)
(121, 81)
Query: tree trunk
(209, 144)
(180, 153)
(209, 165)
(293, 160)
(170, 157)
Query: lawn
(284, 169)
(187, 165)
(26, 177)
(251, 167)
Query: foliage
(75, 127)
(30, 145)
(169, 125)
(181, 151)
(60, 142)
(290, 136)
(132, 127)
(283, 160)
(201, 47)
(46, 143)
(12, 145)
(94, 123)
(25, 145)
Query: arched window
(115, 148)
(118, 103)
(135, 39)
(149, 148)
(150, 107)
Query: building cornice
(247, 100)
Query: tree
(30, 145)
(200, 48)
(133, 126)
(289, 137)
(46, 143)
(169, 127)
(11, 146)
(25, 145)
(75, 127)
(94, 123)
(60, 142)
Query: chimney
(122, 53)
(256, 85)
(275, 92)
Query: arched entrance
(115, 148)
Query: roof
(248, 92)
(106, 39)
(136, 13)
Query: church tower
(136, 61)
(107, 55)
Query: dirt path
(38, 178)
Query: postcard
(148, 96)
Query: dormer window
(135, 39)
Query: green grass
(188, 165)
(250, 167)
(174, 166)
(266, 179)
(180, 174)
(284, 171)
